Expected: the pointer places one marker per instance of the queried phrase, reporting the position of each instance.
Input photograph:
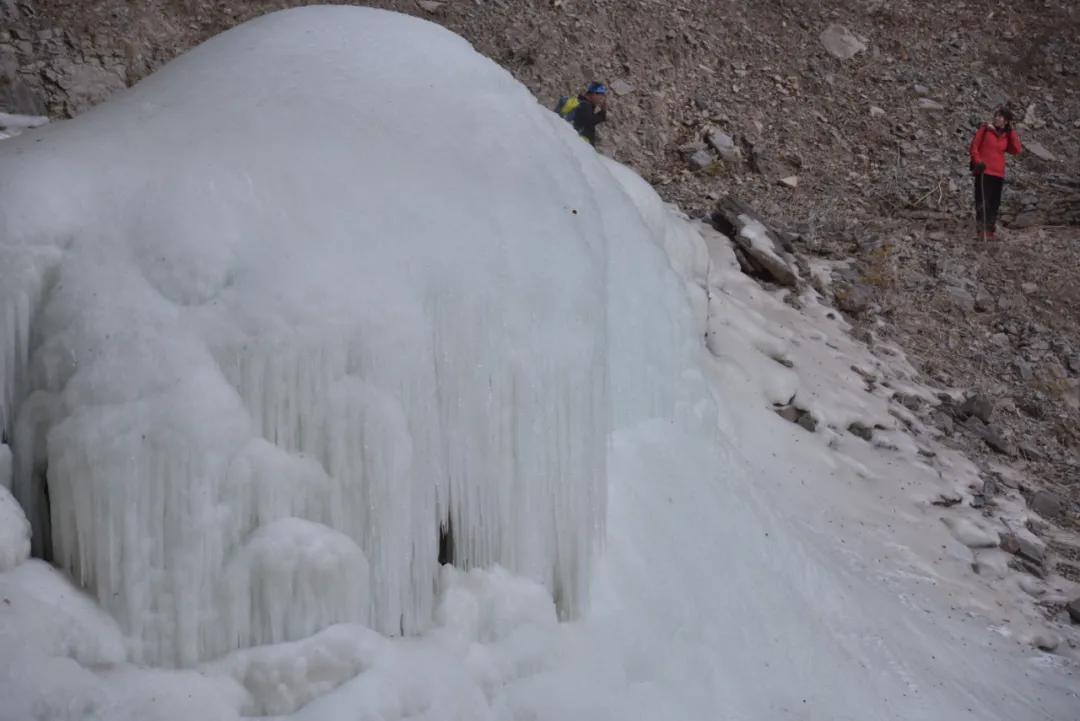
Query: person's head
(1002, 117)
(595, 92)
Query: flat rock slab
(840, 42)
(1039, 151)
(763, 253)
(701, 160)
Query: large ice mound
(321, 296)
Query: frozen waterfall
(267, 335)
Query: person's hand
(978, 168)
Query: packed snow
(331, 296)
(11, 124)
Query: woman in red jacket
(988, 150)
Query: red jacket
(990, 145)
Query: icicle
(6, 466)
(285, 583)
(14, 528)
(16, 313)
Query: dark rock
(994, 438)
(853, 298)
(799, 416)
(978, 405)
(1073, 607)
(808, 422)
(861, 430)
(1047, 504)
(789, 413)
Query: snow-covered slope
(331, 290)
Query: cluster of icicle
(262, 491)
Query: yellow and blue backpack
(567, 107)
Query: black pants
(987, 200)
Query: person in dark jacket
(586, 111)
(988, 148)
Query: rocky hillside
(870, 122)
(844, 124)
